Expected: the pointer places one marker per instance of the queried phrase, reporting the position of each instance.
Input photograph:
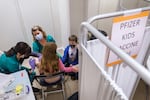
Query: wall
(10, 30)
(96, 7)
(57, 17)
(18, 17)
(131, 4)
(77, 15)
(81, 10)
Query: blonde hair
(34, 28)
(49, 61)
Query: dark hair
(103, 32)
(92, 37)
(73, 38)
(21, 47)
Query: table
(21, 78)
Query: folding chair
(52, 90)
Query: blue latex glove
(35, 54)
(39, 54)
(32, 63)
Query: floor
(142, 91)
(71, 86)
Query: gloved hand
(35, 54)
(32, 63)
(38, 54)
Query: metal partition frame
(86, 26)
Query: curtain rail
(119, 13)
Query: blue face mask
(39, 36)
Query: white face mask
(39, 36)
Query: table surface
(21, 78)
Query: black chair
(73, 96)
(59, 86)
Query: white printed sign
(127, 34)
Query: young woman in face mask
(39, 39)
(11, 60)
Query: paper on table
(5, 80)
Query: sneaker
(74, 78)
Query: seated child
(50, 63)
(70, 56)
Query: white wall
(33, 13)
(18, 16)
(81, 10)
(96, 7)
(77, 15)
(89, 8)
(10, 30)
(60, 18)
(131, 4)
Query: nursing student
(11, 60)
(40, 38)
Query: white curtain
(95, 84)
(19, 16)
(122, 74)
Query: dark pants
(74, 96)
(72, 74)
